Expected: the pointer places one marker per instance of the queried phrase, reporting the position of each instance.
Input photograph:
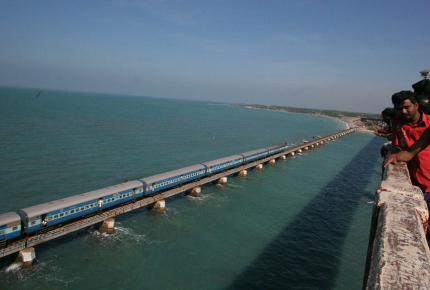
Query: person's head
(425, 73)
(406, 106)
(387, 114)
(424, 102)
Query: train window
(87, 206)
(2, 232)
(32, 223)
(14, 228)
(82, 208)
(61, 214)
(49, 218)
(77, 210)
(55, 216)
(72, 211)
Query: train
(47, 216)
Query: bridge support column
(196, 191)
(158, 206)
(291, 154)
(259, 167)
(26, 257)
(243, 173)
(283, 157)
(222, 181)
(299, 151)
(306, 148)
(107, 226)
(272, 162)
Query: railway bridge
(104, 220)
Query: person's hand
(392, 158)
(375, 131)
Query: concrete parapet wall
(398, 254)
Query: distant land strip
(324, 113)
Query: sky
(343, 55)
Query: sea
(301, 224)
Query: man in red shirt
(407, 128)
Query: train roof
(276, 146)
(173, 173)
(80, 198)
(222, 160)
(9, 217)
(254, 152)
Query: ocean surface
(302, 224)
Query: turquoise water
(302, 224)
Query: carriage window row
(166, 183)
(68, 212)
(2, 232)
(118, 197)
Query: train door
(44, 222)
(100, 207)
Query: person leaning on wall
(409, 126)
(387, 114)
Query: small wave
(13, 267)
(121, 234)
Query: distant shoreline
(351, 122)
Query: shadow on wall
(306, 254)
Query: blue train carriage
(277, 148)
(173, 178)
(254, 155)
(10, 227)
(223, 164)
(60, 211)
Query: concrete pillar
(26, 257)
(107, 226)
(222, 180)
(306, 148)
(291, 154)
(158, 206)
(259, 167)
(283, 157)
(312, 146)
(196, 191)
(243, 173)
(299, 151)
(272, 162)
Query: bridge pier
(259, 167)
(107, 226)
(306, 148)
(196, 192)
(26, 257)
(291, 154)
(158, 206)
(272, 162)
(222, 181)
(283, 157)
(243, 173)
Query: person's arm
(408, 154)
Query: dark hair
(389, 113)
(401, 97)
